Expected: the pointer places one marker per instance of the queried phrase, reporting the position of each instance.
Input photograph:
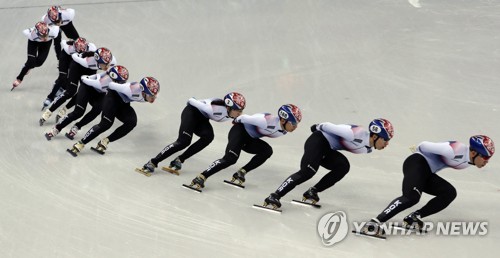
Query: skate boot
(373, 228)
(147, 169)
(49, 135)
(240, 176)
(413, 221)
(45, 116)
(77, 148)
(176, 164)
(46, 103)
(198, 182)
(61, 114)
(101, 146)
(311, 194)
(174, 167)
(274, 200)
(72, 132)
(16, 83)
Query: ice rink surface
(430, 67)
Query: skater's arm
(65, 46)
(133, 90)
(68, 15)
(202, 106)
(93, 80)
(53, 32)
(258, 120)
(27, 33)
(343, 131)
(120, 87)
(45, 19)
(443, 149)
(80, 60)
(91, 47)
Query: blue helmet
(482, 144)
(150, 86)
(235, 100)
(290, 113)
(103, 56)
(382, 127)
(118, 73)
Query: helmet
(118, 73)
(150, 86)
(382, 127)
(290, 113)
(80, 45)
(42, 29)
(103, 56)
(483, 145)
(235, 100)
(54, 13)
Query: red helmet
(80, 45)
(235, 100)
(382, 127)
(482, 144)
(290, 113)
(103, 55)
(150, 86)
(54, 13)
(42, 29)
(118, 73)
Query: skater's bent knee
(268, 152)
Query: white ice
(432, 71)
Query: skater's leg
(416, 172)
(236, 139)
(445, 194)
(314, 148)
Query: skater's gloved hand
(87, 54)
(190, 99)
(314, 128)
(237, 120)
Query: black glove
(313, 128)
(236, 121)
(87, 54)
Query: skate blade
(69, 136)
(406, 228)
(41, 121)
(304, 199)
(234, 184)
(359, 233)
(171, 171)
(12, 88)
(72, 153)
(309, 204)
(260, 207)
(190, 187)
(139, 170)
(98, 151)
